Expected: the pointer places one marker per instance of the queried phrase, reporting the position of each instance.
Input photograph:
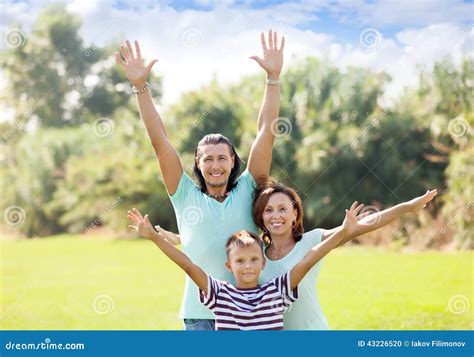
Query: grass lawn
(67, 282)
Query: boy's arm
(322, 249)
(171, 237)
(260, 157)
(198, 275)
(315, 255)
(143, 226)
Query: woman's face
(279, 214)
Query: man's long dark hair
(215, 139)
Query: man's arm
(260, 157)
(137, 73)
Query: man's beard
(216, 184)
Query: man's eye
(223, 158)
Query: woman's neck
(281, 241)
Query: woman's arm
(260, 157)
(322, 249)
(143, 226)
(137, 73)
(377, 220)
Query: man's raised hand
(132, 63)
(272, 61)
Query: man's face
(215, 163)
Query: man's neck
(216, 191)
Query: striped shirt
(259, 308)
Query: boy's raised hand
(272, 61)
(420, 202)
(136, 71)
(141, 224)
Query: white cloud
(194, 45)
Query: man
(222, 204)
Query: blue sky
(217, 37)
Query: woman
(278, 212)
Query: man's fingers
(137, 49)
(124, 53)
(264, 44)
(129, 46)
(257, 59)
(275, 40)
(119, 59)
(150, 65)
(282, 43)
(270, 39)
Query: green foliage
(335, 142)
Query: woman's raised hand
(136, 71)
(420, 202)
(272, 61)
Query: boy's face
(246, 264)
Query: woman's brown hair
(261, 197)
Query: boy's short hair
(243, 239)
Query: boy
(248, 305)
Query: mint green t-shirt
(204, 226)
(305, 313)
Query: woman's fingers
(354, 204)
(358, 208)
(275, 40)
(130, 50)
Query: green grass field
(72, 283)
